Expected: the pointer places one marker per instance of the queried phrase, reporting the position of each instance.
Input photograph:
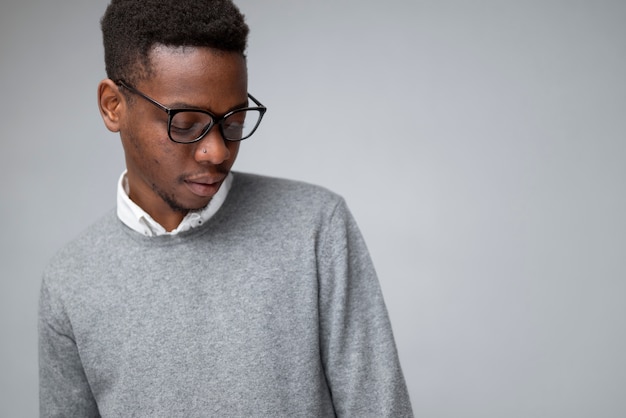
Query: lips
(204, 186)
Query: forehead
(198, 76)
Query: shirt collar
(138, 220)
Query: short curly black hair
(131, 28)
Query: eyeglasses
(186, 126)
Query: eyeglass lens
(188, 126)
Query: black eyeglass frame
(214, 119)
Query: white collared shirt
(138, 220)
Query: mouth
(204, 186)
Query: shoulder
(286, 206)
(87, 248)
(280, 191)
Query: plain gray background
(480, 145)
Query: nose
(212, 148)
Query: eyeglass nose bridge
(208, 129)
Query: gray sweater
(270, 309)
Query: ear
(111, 104)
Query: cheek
(148, 138)
(143, 131)
(148, 150)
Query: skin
(167, 179)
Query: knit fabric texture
(270, 309)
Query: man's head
(174, 54)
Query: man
(207, 292)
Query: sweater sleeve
(63, 387)
(357, 345)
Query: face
(168, 179)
